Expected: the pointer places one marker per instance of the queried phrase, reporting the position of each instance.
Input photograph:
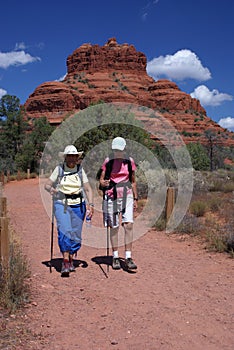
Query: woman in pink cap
(120, 198)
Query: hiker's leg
(128, 237)
(113, 222)
(66, 256)
(64, 227)
(77, 219)
(114, 232)
(127, 222)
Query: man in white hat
(120, 198)
(67, 184)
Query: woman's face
(118, 154)
(71, 160)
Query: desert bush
(228, 187)
(216, 242)
(14, 289)
(214, 204)
(229, 240)
(198, 208)
(189, 225)
(228, 236)
(33, 175)
(216, 186)
(161, 223)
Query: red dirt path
(180, 298)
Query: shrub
(160, 224)
(216, 186)
(198, 208)
(228, 187)
(216, 242)
(215, 204)
(229, 240)
(189, 225)
(14, 290)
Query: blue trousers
(69, 225)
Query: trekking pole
(52, 235)
(107, 247)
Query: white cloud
(16, 58)
(144, 16)
(184, 64)
(210, 98)
(148, 8)
(20, 46)
(61, 78)
(227, 123)
(2, 92)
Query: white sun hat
(70, 149)
(118, 143)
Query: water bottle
(88, 219)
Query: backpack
(109, 166)
(71, 196)
(61, 173)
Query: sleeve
(54, 175)
(103, 167)
(133, 164)
(84, 176)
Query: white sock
(115, 254)
(128, 254)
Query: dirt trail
(180, 298)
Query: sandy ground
(180, 298)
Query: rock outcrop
(117, 73)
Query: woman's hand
(104, 183)
(49, 188)
(90, 208)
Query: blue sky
(188, 42)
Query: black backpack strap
(128, 161)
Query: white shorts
(111, 219)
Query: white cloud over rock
(210, 98)
(16, 58)
(227, 123)
(184, 64)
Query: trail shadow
(107, 260)
(57, 264)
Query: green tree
(199, 157)
(13, 127)
(30, 153)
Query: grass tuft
(14, 288)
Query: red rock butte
(117, 73)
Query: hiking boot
(116, 264)
(65, 269)
(130, 264)
(72, 267)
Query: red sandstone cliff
(117, 73)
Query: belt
(60, 195)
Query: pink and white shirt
(119, 174)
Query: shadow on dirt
(57, 264)
(107, 260)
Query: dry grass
(215, 223)
(14, 288)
